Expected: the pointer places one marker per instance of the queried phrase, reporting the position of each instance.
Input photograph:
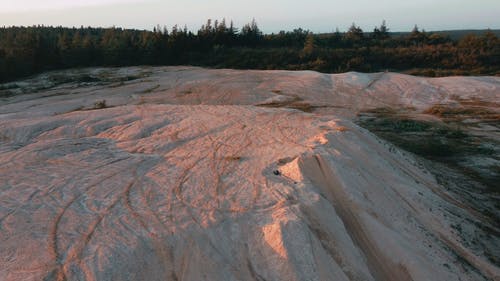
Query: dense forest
(29, 50)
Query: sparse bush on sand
(100, 104)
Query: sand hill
(181, 173)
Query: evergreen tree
(382, 32)
(251, 33)
(309, 45)
(355, 33)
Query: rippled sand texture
(195, 174)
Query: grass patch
(295, 103)
(428, 139)
(71, 78)
(447, 141)
(457, 113)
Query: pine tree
(355, 33)
(383, 28)
(309, 45)
(382, 32)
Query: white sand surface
(194, 174)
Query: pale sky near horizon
(272, 16)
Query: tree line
(28, 50)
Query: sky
(271, 15)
